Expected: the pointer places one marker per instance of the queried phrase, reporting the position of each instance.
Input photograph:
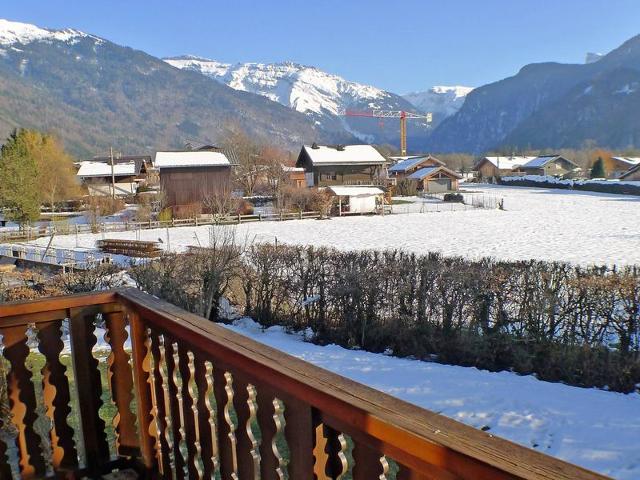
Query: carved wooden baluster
(56, 396)
(121, 383)
(268, 462)
(254, 451)
(223, 388)
(386, 467)
(175, 406)
(329, 464)
(190, 432)
(367, 463)
(22, 401)
(243, 406)
(206, 418)
(299, 433)
(89, 386)
(141, 355)
(280, 422)
(164, 448)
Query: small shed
(436, 179)
(295, 176)
(354, 199)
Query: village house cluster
(493, 168)
(358, 177)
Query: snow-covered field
(595, 429)
(548, 224)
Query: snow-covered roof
(425, 172)
(287, 168)
(541, 161)
(190, 159)
(630, 161)
(347, 155)
(355, 191)
(406, 164)
(103, 169)
(633, 169)
(508, 163)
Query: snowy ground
(548, 224)
(595, 429)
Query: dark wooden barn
(189, 180)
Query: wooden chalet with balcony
(326, 166)
(191, 399)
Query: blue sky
(397, 45)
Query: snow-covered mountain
(320, 95)
(94, 93)
(12, 33)
(442, 100)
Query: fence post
(195, 220)
(300, 214)
(260, 216)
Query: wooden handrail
(183, 364)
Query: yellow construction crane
(401, 114)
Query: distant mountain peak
(24, 33)
(304, 88)
(593, 57)
(441, 100)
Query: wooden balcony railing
(180, 397)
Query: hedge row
(561, 322)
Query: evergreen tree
(20, 194)
(597, 170)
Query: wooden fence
(31, 233)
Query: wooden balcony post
(140, 346)
(121, 382)
(89, 386)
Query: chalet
(189, 178)
(551, 165)
(101, 178)
(341, 165)
(491, 168)
(406, 166)
(631, 175)
(354, 199)
(616, 167)
(435, 179)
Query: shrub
(564, 323)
